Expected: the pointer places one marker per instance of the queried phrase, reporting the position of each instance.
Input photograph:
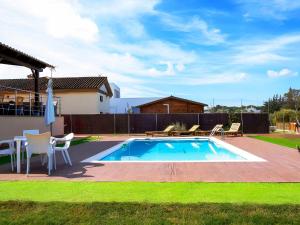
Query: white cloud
(126, 64)
(222, 78)
(266, 51)
(180, 67)
(268, 9)
(123, 9)
(59, 18)
(142, 91)
(170, 69)
(281, 73)
(256, 59)
(197, 29)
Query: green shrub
(284, 115)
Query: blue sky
(198, 49)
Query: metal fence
(19, 102)
(139, 123)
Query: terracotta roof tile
(59, 83)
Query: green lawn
(146, 213)
(58, 202)
(287, 142)
(47, 191)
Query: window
(101, 98)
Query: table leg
(18, 156)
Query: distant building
(127, 105)
(172, 104)
(252, 109)
(115, 90)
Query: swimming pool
(174, 150)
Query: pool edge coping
(249, 157)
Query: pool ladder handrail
(220, 129)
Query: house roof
(171, 98)
(59, 83)
(12, 56)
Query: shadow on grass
(13, 212)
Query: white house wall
(103, 107)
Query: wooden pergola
(12, 56)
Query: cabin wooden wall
(176, 106)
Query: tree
(273, 104)
(292, 99)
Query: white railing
(20, 102)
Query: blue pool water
(171, 150)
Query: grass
(85, 140)
(53, 191)
(287, 142)
(59, 202)
(143, 213)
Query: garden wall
(11, 126)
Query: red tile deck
(282, 165)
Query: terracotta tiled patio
(282, 165)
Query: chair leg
(63, 155)
(68, 157)
(54, 159)
(12, 162)
(50, 160)
(28, 164)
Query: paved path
(283, 165)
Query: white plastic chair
(25, 143)
(10, 150)
(40, 144)
(64, 149)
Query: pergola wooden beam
(12, 56)
(15, 62)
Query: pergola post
(36, 77)
(11, 56)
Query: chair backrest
(8, 144)
(68, 138)
(38, 143)
(30, 132)
(20, 100)
(194, 128)
(169, 128)
(234, 127)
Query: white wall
(83, 103)
(103, 107)
(79, 102)
(11, 126)
(121, 105)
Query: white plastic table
(18, 140)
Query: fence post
(242, 122)
(128, 123)
(114, 123)
(283, 123)
(16, 107)
(155, 121)
(30, 103)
